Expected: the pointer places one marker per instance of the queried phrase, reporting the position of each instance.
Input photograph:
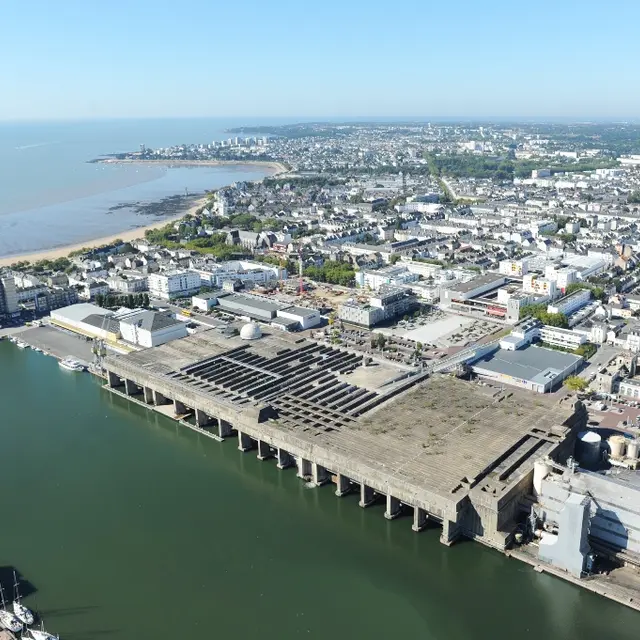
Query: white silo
(617, 446)
(633, 448)
(541, 470)
(588, 448)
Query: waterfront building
(148, 328)
(8, 296)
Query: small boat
(7, 619)
(19, 610)
(40, 634)
(21, 345)
(71, 364)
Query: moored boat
(19, 610)
(71, 364)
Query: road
(199, 318)
(604, 354)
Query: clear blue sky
(156, 58)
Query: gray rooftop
(480, 281)
(533, 364)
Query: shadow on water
(6, 580)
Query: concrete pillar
(284, 459)
(244, 441)
(130, 387)
(179, 408)
(393, 507)
(202, 419)
(159, 399)
(304, 468)
(450, 532)
(319, 474)
(366, 496)
(343, 485)
(224, 428)
(148, 395)
(420, 518)
(113, 380)
(264, 450)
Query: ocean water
(51, 196)
(125, 525)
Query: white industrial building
(150, 328)
(533, 368)
(141, 327)
(173, 284)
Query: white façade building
(148, 328)
(570, 303)
(173, 284)
(216, 274)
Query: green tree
(576, 383)
(145, 300)
(634, 197)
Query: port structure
(442, 449)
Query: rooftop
(467, 435)
(533, 364)
(480, 281)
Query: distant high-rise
(8, 295)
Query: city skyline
(77, 61)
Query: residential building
(571, 303)
(8, 296)
(389, 303)
(173, 284)
(516, 268)
(558, 337)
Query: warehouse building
(533, 368)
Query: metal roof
(533, 364)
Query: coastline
(278, 167)
(126, 236)
(137, 233)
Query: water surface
(130, 526)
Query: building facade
(173, 284)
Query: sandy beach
(134, 234)
(127, 236)
(277, 167)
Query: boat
(71, 364)
(21, 345)
(7, 619)
(40, 634)
(19, 610)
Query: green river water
(132, 527)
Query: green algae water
(129, 526)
